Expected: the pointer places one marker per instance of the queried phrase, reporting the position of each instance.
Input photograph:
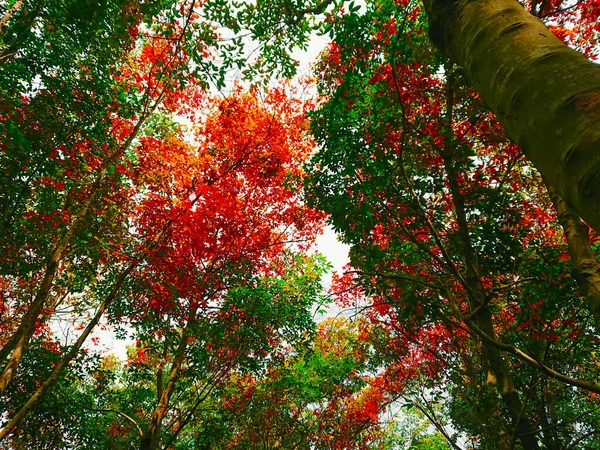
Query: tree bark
(7, 15)
(585, 267)
(482, 316)
(150, 438)
(74, 350)
(545, 95)
(69, 356)
(16, 346)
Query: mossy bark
(546, 95)
(585, 267)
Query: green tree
(112, 208)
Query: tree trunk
(585, 267)
(499, 368)
(150, 438)
(69, 356)
(482, 316)
(15, 346)
(13, 9)
(546, 95)
(74, 350)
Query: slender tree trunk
(8, 14)
(72, 353)
(546, 95)
(523, 426)
(74, 350)
(585, 267)
(19, 341)
(150, 438)
(482, 316)
(17, 344)
(9, 48)
(546, 424)
(491, 411)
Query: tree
(513, 60)
(247, 334)
(227, 208)
(317, 395)
(248, 174)
(66, 169)
(449, 229)
(81, 221)
(545, 94)
(135, 197)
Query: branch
(431, 417)
(565, 422)
(13, 9)
(581, 438)
(395, 277)
(298, 15)
(122, 414)
(532, 361)
(508, 286)
(428, 220)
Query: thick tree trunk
(585, 267)
(546, 95)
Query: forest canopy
(165, 173)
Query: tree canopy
(165, 175)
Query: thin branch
(508, 286)
(120, 413)
(13, 9)
(433, 420)
(581, 438)
(395, 277)
(298, 15)
(509, 348)
(564, 422)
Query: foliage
(451, 239)
(138, 198)
(135, 197)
